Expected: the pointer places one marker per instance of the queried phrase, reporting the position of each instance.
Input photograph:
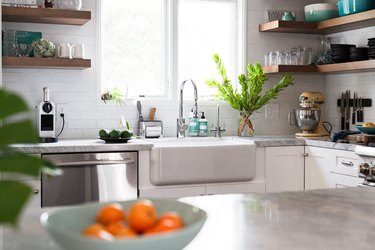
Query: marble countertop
(321, 219)
(82, 145)
(95, 145)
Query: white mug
(78, 51)
(64, 50)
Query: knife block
(366, 102)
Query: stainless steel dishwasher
(91, 177)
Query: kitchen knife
(342, 111)
(360, 110)
(354, 111)
(347, 109)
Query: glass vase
(246, 127)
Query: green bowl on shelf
(320, 11)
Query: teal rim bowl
(366, 130)
(65, 227)
(320, 15)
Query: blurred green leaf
(14, 194)
(11, 104)
(10, 209)
(16, 162)
(18, 132)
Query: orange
(110, 213)
(142, 215)
(114, 227)
(97, 231)
(166, 224)
(125, 232)
(177, 220)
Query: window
(148, 47)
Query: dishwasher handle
(90, 163)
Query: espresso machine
(308, 118)
(47, 119)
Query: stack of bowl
(320, 11)
(371, 48)
(341, 52)
(348, 7)
(358, 54)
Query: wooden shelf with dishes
(48, 16)
(334, 25)
(45, 63)
(348, 67)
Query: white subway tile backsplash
(85, 114)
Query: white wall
(85, 114)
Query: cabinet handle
(201, 194)
(305, 154)
(36, 191)
(347, 163)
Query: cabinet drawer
(343, 181)
(344, 162)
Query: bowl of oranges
(126, 225)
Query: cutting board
(360, 138)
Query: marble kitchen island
(321, 219)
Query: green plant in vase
(249, 98)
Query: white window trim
(170, 53)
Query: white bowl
(65, 227)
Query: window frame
(169, 68)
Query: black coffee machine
(47, 119)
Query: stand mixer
(308, 117)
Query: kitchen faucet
(181, 125)
(217, 130)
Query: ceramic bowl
(320, 11)
(65, 227)
(366, 130)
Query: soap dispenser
(203, 125)
(193, 128)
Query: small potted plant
(44, 48)
(249, 98)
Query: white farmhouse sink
(201, 160)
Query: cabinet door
(343, 181)
(172, 192)
(317, 168)
(28, 235)
(240, 188)
(284, 169)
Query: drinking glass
(10, 43)
(23, 49)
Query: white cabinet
(317, 170)
(284, 168)
(27, 233)
(343, 168)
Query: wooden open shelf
(349, 67)
(45, 63)
(334, 25)
(41, 15)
